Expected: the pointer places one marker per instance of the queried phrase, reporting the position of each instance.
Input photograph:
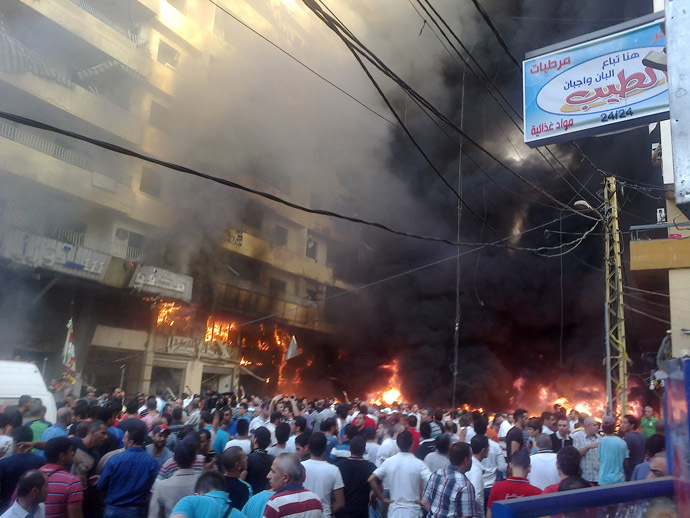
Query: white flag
(292, 349)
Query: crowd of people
(223, 455)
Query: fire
(171, 313)
(244, 361)
(392, 393)
(218, 330)
(582, 394)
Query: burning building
(92, 235)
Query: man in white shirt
(322, 478)
(480, 449)
(544, 471)
(389, 446)
(406, 476)
(495, 460)
(32, 490)
(263, 418)
(439, 459)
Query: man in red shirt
(412, 428)
(516, 485)
(65, 491)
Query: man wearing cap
(158, 449)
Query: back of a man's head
(32, 479)
(151, 403)
(231, 457)
(425, 430)
(23, 434)
(262, 437)
(282, 433)
(438, 415)
(479, 443)
(544, 442)
(209, 481)
(177, 414)
(459, 453)
(300, 424)
(242, 427)
(568, 461)
(185, 454)
(480, 425)
(404, 441)
(412, 421)
(358, 445)
(443, 443)
(520, 459)
(317, 444)
(136, 434)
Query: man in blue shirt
(59, 429)
(128, 477)
(210, 500)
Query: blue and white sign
(597, 86)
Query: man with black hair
(568, 466)
(515, 485)
(166, 493)
(32, 489)
(406, 476)
(65, 491)
(242, 440)
(427, 416)
(282, 435)
(449, 493)
(322, 478)
(14, 466)
(263, 418)
(128, 478)
(259, 461)
(561, 437)
(634, 440)
(355, 472)
(439, 459)
(372, 447)
(297, 427)
(302, 446)
(653, 445)
(234, 462)
(495, 461)
(209, 501)
(329, 427)
(427, 444)
(480, 449)
(17, 415)
(412, 428)
(151, 414)
(132, 420)
(514, 438)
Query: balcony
(248, 297)
(652, 248)
(62, 153)
(132, 36)
(121, 250)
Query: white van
(19, 378)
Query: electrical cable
(634, 310)
(223, 9)
(343, 32)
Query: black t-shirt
(11, 468)
(131, 422)
(238, 491)
(355, 472)
(637, 448)
(513, 435)
(258, 466)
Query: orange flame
(392, 392)
(170, 313)
(218, 330)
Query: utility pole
(614, 317)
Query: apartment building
(81, 227)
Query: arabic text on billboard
(595, 87)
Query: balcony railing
(657, 231)
(133, 37)
(70, 156)
(97, 244)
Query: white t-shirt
(245, 444)
(470, 433)
(322, 478)
(544, 471)
(290, 444)
(275, 450)
(504, 428)
(258, 422)
(435, 461)
(406, 476)
(494, 462)
(387, 449)
(476, 476)
(372, 448)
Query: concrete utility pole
(614, 316)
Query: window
(280, 236)
(180, 5)
(276, 285)
(167, 55)
(312, 248)
(150, 182)
(160, 116)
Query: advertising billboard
(599, 83)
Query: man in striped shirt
(290, 498)
(65, 490)
(449, 493)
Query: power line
(356, 47)
(228, 183)
(341, 90)
(493, 28)
(663, 321)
